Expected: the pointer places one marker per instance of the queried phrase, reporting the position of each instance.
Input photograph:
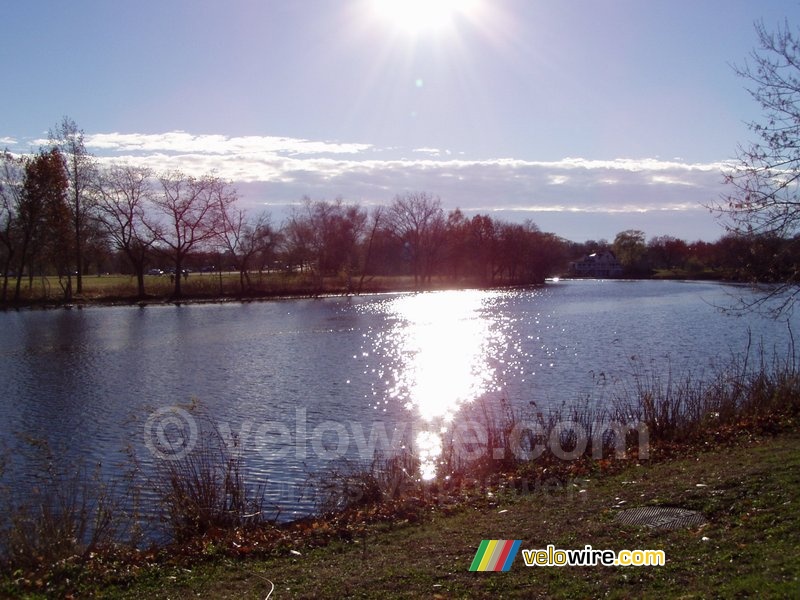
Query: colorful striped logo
(495, 555)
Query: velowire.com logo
(495, 555)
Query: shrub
(63, 515)
(206, 489)
(351, 485)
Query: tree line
(735, 256)
(63, 215)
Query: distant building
(600, 264)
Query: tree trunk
(78, 265)
(17, 287)
(22, 257)
(78, 240)
(6, 270)
(140, 281)
(68, 289)
(178, 269)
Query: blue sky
(586, 117)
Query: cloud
(432, 151)
(182, 142)
(7, 141)
(272, 170)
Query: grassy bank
(748, 489)
(121, 289)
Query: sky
(587, 117)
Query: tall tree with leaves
(630, 250)
(80, 168)
(42, 219)
(765, 181)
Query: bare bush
(64, 515)
(351, 485)
(206, 489)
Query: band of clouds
(182, 142)
(279, 170)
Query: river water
(302, 383)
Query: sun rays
(423, 16)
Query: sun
(417, 16)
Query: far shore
(215, 288)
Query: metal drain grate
(661, 517)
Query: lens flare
(416, 16)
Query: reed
(63, 514)
(207, 488)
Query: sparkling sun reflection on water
(445, 344)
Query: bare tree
(80, 169)
(188, 216)
(667, 252)
(326, 236)
(12, 177)
(765, 196)
(122, 193)
(483, 246)
(376, 221)
(418, 221)
(244, 238)
(300, 239)
(348, 234)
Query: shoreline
(428, 542)
(332, 291)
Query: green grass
(700, 273)
(96, 287)
(101, 289)
(749, 490)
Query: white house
(600, 264)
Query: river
(305, 382)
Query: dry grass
(206, 489)
(747, 490)
(64, 514)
